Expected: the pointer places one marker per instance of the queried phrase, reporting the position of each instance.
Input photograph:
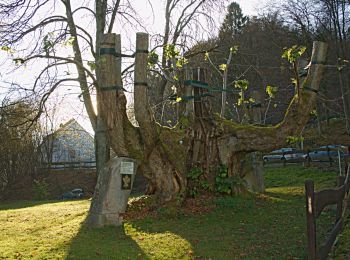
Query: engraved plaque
(127, 168)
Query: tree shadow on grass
(104, 243)
(288, 197)
(239, 228)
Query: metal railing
(70, 165)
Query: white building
(70, 146)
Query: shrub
(40, 190)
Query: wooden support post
(310, 220)
(197, 75)
(201, 103)
(188, 93)
(143, 112)
(111, 98)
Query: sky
(67, 99)
(251, 7)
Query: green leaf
(206, 56)
(69, 41)
(271, 91)
(18, 61)
(92, 65)
(241, 84)
(171, 51)
(223, 67)
(153, 58)
(294, 139)
(181, 62)
(313, 113)
(7, 49)
(234, 49)
(48, 43)
(179, 99)
(294, 53)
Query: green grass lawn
(266, 226)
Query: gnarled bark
(166, 155)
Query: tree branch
(114, 13)
(253, 138)
(78, 61)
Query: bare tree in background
(185, 23)
(52, 34)
(327, 20)
(19, 157)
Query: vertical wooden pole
(201, 104)
(188, 93)
(310, 219)
(196, 93)
(308, 158)
(112, 100)
(329, 157)
(106, 72)
(346, 163)
(143, 112)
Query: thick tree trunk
(164, 178)
(168, 156)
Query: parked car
(73, 194)
(288, 154)
(327, 152)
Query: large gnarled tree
(165, 155)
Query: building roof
(67, 125)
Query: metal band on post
(141, 84)
(113, 88)
(141, 51)
(109, 51)
(112, 51)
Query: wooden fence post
(308, 158)
(310, 220)
(329, 157)
(346, 165)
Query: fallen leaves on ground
(144, 206)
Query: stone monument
(109, 203)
